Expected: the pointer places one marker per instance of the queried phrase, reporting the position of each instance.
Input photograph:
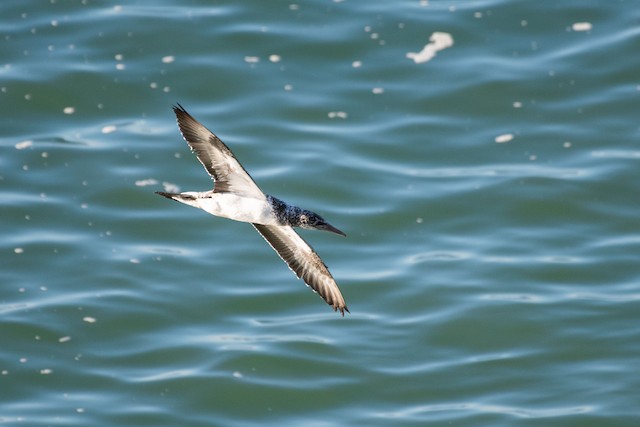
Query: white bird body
(232, 206)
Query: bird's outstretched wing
(304, 262)
(227, 173)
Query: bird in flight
(236, 196)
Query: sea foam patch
(438, 41)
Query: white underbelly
(243, 209)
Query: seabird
(236, 196)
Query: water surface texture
(482, 157)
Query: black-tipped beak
(330, 228)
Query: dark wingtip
(177, 107)
(180, 112)
(342, 310)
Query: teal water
(490, 196)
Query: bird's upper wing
(216, 157)
(304, 262)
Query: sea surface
(483, 158)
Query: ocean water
(482, 157)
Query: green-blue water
(490, 283)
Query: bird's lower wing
(304, 262)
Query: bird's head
(313, 221)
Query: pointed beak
(332, 229)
